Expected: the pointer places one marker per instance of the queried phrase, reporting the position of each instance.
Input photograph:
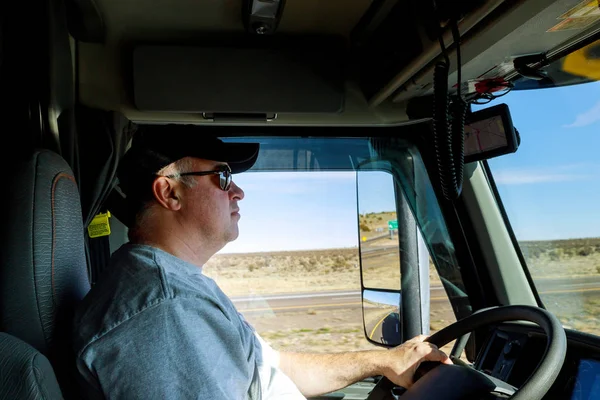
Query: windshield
(550, 189)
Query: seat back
(43, 269)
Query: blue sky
(306, 210)
(296, 210)
(550, 186)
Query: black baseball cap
(153, 148)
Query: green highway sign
(393, 224)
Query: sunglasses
(224, 173)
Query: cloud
(292, 183)
(524, 176)
(288, 176)
(520, 178)
(586, 118)
(292, 189)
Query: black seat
(24, 372)
(43, 270)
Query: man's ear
(166, 192)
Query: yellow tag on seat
(99, 225)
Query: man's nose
(236, 191)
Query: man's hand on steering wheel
(401, 362)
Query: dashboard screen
(587, 381)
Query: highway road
(281, 303)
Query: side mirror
(394, 261)
(490, 133)
(379, 256)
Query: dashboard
(511, 353)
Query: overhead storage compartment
(290, 77)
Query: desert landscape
(324, 329)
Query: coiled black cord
(449, 138)
(458, 111)
(441, 139)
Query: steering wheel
(454, 382)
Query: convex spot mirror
(381, 313)
(490, 133)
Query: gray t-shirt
(155, 327)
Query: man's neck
(175, 235)
(189, 248)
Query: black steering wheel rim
(549, 367)
(540, 381)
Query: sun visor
(286, 79)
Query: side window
(550, 189)
(293, 272)
(118, 233)
(441, 313)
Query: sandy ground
(338, 269)
(306, 271)
(314, 330)
(324, 331)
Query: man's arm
(315, 374)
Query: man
(154, 326)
